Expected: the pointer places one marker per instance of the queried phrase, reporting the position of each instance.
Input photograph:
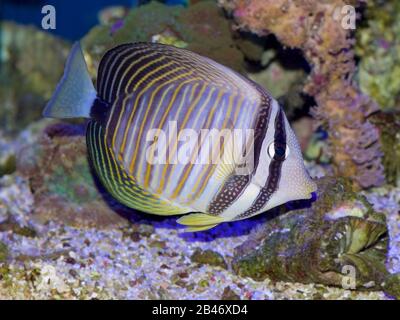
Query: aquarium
(200, 150)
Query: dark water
(73, 18)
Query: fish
(171, 132)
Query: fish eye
(278, 151)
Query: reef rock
(60, 178)
(340, 241)
(32, 62)
(200, 27)
(315, 28)
(388, 124)
(378, 46)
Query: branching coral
(313, 27)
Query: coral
(378, 46)
(26, 82)
(63, 188)
(201, 28)
(208, 257)
(343, 109)
(340, 233)
(389, 128)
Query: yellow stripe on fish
(147, 88)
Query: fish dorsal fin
(135, 64)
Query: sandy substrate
(151, 259)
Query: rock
(3, 252)
(229, 294)
(340, 236)
(60, 178)
(16, 205)
(26, 82)
(7, 156)
(378, 46)
(10, 225)
(208, 257)
(389, 129)
(392, 285)
(200, 27)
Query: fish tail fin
(75, 93)
(199, 221)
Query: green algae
(201, 28)
(73, 185)
(378, 46)
(3, 252)
(208, 257)
(318, 245)
(7, 164)
(389, 127)
(26, 83)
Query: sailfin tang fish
(149, 100)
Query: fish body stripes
(173, 132)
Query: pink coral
(311, 26)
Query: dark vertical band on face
(261, 127)
(275, 167)
(235, 185)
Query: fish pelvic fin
(75, 93)
(199, 221)
(200, 228)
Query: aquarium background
(62, 236)
(83, 14)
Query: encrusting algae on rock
(378, 46)
(55, 164)
(340, 235)
(201, 28)
(26, 83)
(388, 124)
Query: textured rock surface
(378, 46)
(389, 128)
(25, 81)
(201, 26)
(56, 166)
(328, 47)
(340, 234)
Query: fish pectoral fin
(199, 221)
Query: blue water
(73, 18)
